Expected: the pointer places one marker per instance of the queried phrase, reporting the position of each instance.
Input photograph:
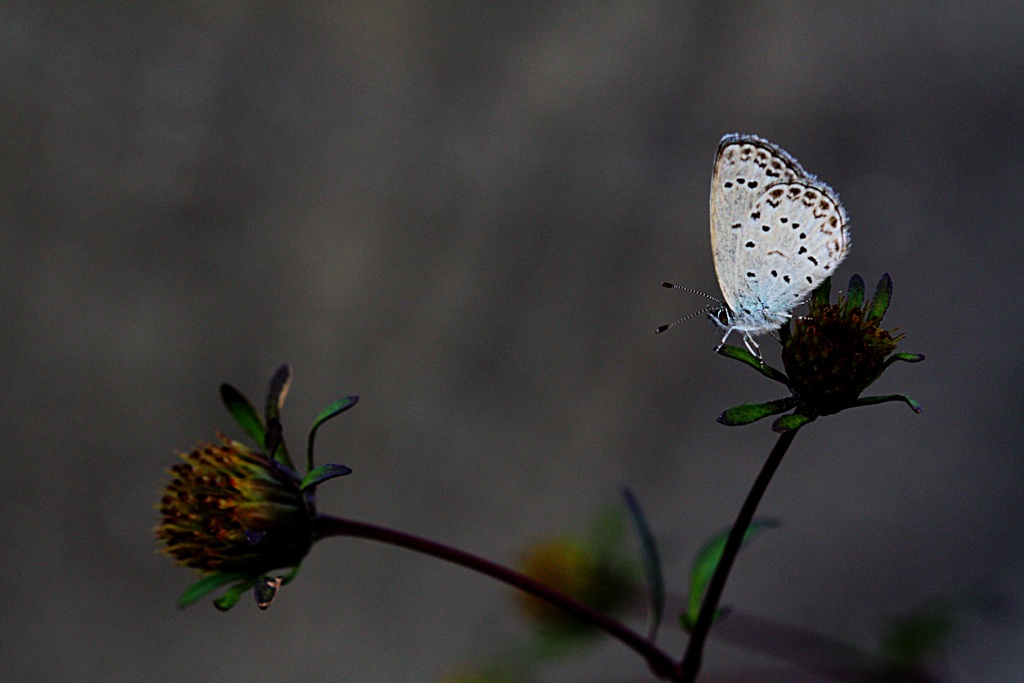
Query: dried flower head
(838, 350)
(229, 508)
(236, 513)
(831, 356)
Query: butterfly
(776, 233)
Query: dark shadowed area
(462, 212)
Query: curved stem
(659, 661)
(695, 648)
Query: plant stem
(695, 648)
(660, 662)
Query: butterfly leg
(722, 343)
(752, 346)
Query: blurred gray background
(462, 212)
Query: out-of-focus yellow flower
(573, 568)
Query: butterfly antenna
(702, 311)
(669, 285)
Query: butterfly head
(722, 317)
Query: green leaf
(232, 595)
(206, 585)
(331, 411)
(287, 578)
(752, 412)
(319, 475)
(744, 356)
(820, 295)
(905, 357)
(915, 637)
(875, 400)
(277, 392)
(275, 445)
(855, 293)
(687, 623)
(880, 302)
(244, 413)
(651, 564)
(789, 423)
(707, 561)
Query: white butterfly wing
(796, 241)
(776, 231)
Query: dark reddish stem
(695, 648)
(660, 662)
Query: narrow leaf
(875, 400)
(687, 622)
(206, 585)
(278, 390)
(274, 443)
(752, 412)
(243, 412)
(883, 295)
(916, 638)
(651, 563)
(707, 561)
(789, 423)
(331, 411)
(232, 596)
(855, 293)
(744, 356)
(905, 357)
(287, 578)
(334, 409)
(319, 475)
